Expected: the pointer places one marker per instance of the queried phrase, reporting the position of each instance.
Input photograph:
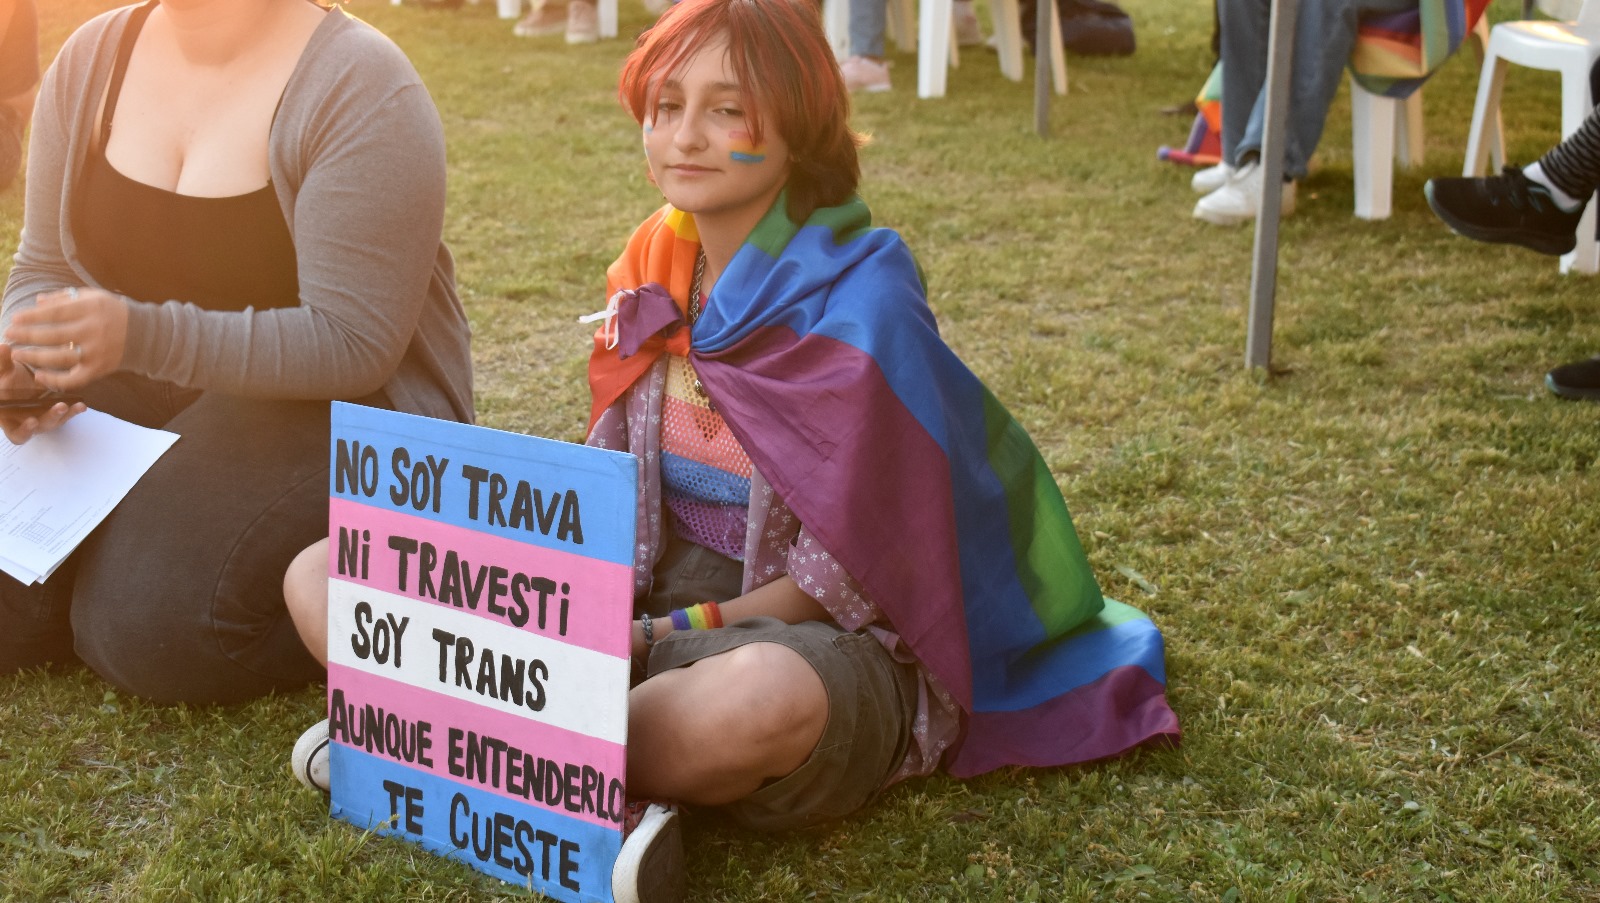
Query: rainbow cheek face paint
(743, 150)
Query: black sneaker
(1578, 380)
(1508, 208)
(650, 867)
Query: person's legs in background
(1537, 207)
(866, 69)
(1325, 32)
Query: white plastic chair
(1570, 48)
(1386, 131)
(505, 9)
(933, 32)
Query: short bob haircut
(786, 72)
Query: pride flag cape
(818, 347)
(1396, 52)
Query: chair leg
(1576, 103)
(1005, 15)
(1372, 129)
(1412, 145)
(1058, 53)
(1486, 109)
(836, 22)
(933, 39)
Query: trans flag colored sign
(478, 637)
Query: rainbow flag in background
(1396, 52)
(819, 349)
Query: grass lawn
(1376, 569)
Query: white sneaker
(309, 761)
(968, 33)
(650, 866)
(864, 74)
(583, 22)
(541, 21)
(1211, 178)
(1237, 202)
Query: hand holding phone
(35, 403)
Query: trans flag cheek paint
(744, 150)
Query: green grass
(1376, 569)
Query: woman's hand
(15, 380)
(70, 338)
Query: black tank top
(155, 245)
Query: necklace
(694, 315)
(694, 287)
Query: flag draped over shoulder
(818, 348)
(1396, 52)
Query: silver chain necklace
(694, 287)
(694, 315)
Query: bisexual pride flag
(818, 348)
(479, 606)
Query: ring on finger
(76, 349)
(72, 292)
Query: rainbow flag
(1396, 52)
(819, 349)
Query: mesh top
(705, 474)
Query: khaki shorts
(872, 701)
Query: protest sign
(479, 609)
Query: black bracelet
(649, 630)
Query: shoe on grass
(541, 22)
(309, 761)
(1508, 209)
(965, 21)
(1237, 201)
(583, 22)
(1211, 178)
(1580, 380)
(865, 74)
(650, 867)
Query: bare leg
(305, 590)
(713, 732)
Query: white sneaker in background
(541, 21)
(583, 22)
(1238, 201)
(865, 74)
(1211, 178)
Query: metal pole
(1264, 272)
(1043, 38)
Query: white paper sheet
(58, 487)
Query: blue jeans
(178, 595)
(868, 19)
(1324, 35)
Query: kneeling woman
(853, 566)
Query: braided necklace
(694, 286)
(694, 316)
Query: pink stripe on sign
(516, 758)
(494, 578)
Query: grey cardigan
(357, 161)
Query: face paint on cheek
(743, 150)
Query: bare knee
(713, 732)
(305, 592)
